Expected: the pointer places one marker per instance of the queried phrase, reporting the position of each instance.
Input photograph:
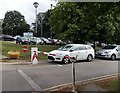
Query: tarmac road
(49, 74)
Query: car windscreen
(65, 48)
(109, 47)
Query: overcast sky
(25, 7)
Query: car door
(80, 52)
(118, 51)
(74, 52)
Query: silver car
(111, 51)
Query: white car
(111, 51)
(65, 53)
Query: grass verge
(111, 85)
(7, 46)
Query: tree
(1, 21)
(14, 24)
(83, 21)
(44, 23)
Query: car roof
(77, 45)
(113, 45)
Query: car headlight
(107, 52)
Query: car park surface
(50, 74)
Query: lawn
(7, 46)
(111, 85)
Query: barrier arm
(41, 52)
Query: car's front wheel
(89, 58)
(113, 56)
(66, 60)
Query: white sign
(34, 55)
(28, 34)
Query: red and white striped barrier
(41, 52)
(34, 54)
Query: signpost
(25, 50)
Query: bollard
(34, 55)
(73, 73)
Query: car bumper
(52, 58)
(103, 56)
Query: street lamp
(41, 15)
(51, 28)
(51, 6)
(36, 5)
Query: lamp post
(36, 5)
(51, 28)
(41, 15)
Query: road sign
(25, 49)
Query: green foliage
(44, 24)
(86, 21)
(14, 24)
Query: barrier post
(34, 55)
(73, 73)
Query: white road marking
(30, 81)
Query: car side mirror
(117, 50)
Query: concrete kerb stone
(55, 88)
(22, 62)
(17, 63)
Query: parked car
(64, 53)
(89, 43)
(7, 37)
(110, 51)
(17, 36)
(22, 40)
(46, 41)
(18, 40)
(52, 41)
(33, 40)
